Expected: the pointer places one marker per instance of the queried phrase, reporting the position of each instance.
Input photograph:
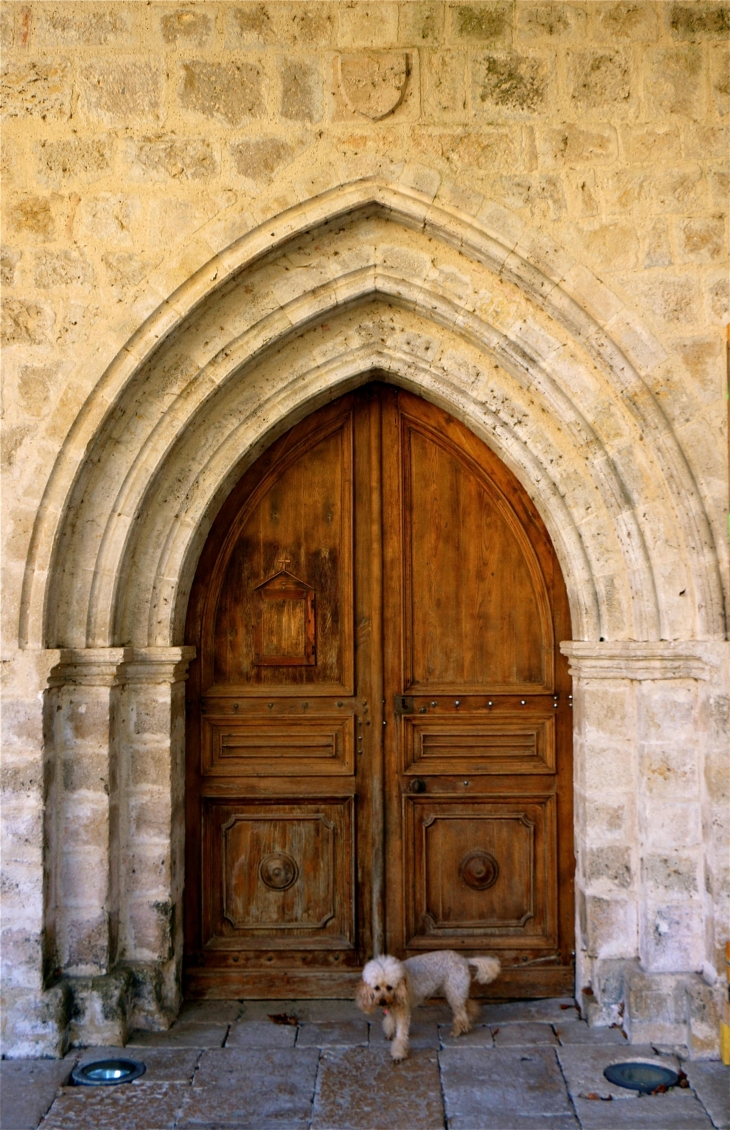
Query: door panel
(284, 618)
(281, 873)
(477, 745)
(481, 869)
(475, 611)
(379, 734)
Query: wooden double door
(379, 730)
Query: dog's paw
(399, 1052)
(460, 1029)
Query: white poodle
(398, 986)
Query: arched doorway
(379, 730)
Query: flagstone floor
(528, 1064)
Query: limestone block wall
(218, 215)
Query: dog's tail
(485, 968)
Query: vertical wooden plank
(376, 711)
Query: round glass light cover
(645, 1077)
(107, 1072)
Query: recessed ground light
(108, 1072)
(644, 1077)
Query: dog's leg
(399, 1048)
(474, 1010)
(457, 993)
(389, 1026)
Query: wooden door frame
(375, 566)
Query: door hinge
(403, 704)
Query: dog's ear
(401, 995)
(364, 997)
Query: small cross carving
(284, 561)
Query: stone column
(83, 840)
(646, 909)
(34, 1019)
(151, 744)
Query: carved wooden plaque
(284, 632)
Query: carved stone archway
(542, 362)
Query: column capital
(87, 666)
(156, 664)
(629, 659)
(113, 666)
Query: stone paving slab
(479, 1037)
(711, 1081)
(318, 1011)
(211, 1012)
(185, 1035)
(518, 1035)
(480, 1084)
(252, 1087)
(365, 1090)
(583, 1068)
(423, 1034)
(578, 1032)
(345, 1033)
(164, 1065)
(517, 1012)
(676, 1110)
(261, 1034)
(27, 1089)
(133, 1106)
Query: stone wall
(217, 215)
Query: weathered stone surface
(625, 20)
(480, 1037)
(600, 79)
(163, 1065)
(182, 1035)
(659, 1112)
(136, 1106)
(251, 24)
(263, 1034)
(9, 259)
(346, 1033)
(674, 82)
(74, 158)
(29, 1088)
(185, 26)
(62, 268)
(523, 1035)
(577, 1032)
(420, 22)
(364, 1089)
(709, 1081)
(36, 89)
(33, 215)
(301, 91)
(513, 83)
(483, 1086)
(374, 83)
(223, 1091)
(90, 25)
(228, 92)
(519, 1012)
(481, 22)
(583, 1069)
(26, 323)
(172, 158)
(121, 93)
(261, 157)
(211, 1012)
(550, 21)
(687, 21)
(314, 1011)
(367, 24)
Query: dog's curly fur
(399, 986)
